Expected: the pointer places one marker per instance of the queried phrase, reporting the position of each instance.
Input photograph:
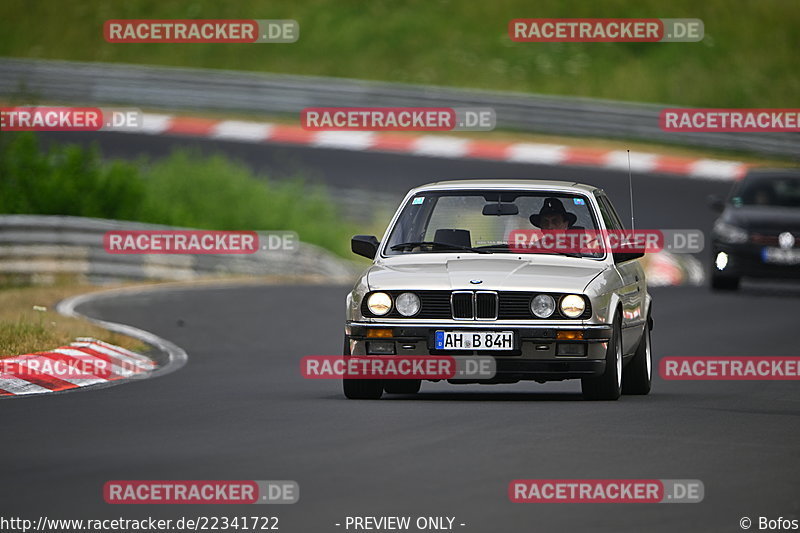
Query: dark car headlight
(407, 304)
(543, 305)
(730, 233)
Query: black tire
(637, 376)
(361, 389)
(402, 386)
(608, 386)
(724, 283)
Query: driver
(552, 215)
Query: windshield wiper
(510, 250)
(445, 245)
(568, 254)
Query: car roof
(773, 172)
(533, 185)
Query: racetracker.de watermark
(730, 120)
(398, 119)
(201, 31)
(397, 367)
(574, 241)
(606, 30)
(69, 365)
(197, 242)
(41, 118)
(200, 492)
(745, 368)
(606, 491)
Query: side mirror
(621, 257)
(627, 252)
(365, 245)
(716, 203)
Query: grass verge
(24, 329)
(747, 58)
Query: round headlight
(379, 303)
(407, 304)
(543, 305)
(572, 305)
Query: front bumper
(535, 355)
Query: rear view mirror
(500, 209)
(716, 203)
(364, 245)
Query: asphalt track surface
(241, 410)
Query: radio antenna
(630, 188)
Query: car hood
(495, 273)
(763, 218)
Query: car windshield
(779, 191)
(482, 221)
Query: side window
(613, 212)
(610, 218)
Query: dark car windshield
(480, 221)
(783, 191)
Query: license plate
(780, 256)
(474, 340)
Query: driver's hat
(553, 206)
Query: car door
(634, 287)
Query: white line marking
(346, 140)
(640, 162)
(440, 146)
(716, 169)
(154, 124)
(536, 153)
(237, 130)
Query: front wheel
(361, 389)
(638, 373)
(609, 385)
(724, 283)
(402, 386)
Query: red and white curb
(664, 269)
(51, 371)
(442, 146)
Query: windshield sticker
(578, 201)
(418, 200)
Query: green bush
(65, 180)
(185, 189)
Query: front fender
(354, 297)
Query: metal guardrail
(41, 248)
(222, 90)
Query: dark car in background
(758, 232)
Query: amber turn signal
(566, 335)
